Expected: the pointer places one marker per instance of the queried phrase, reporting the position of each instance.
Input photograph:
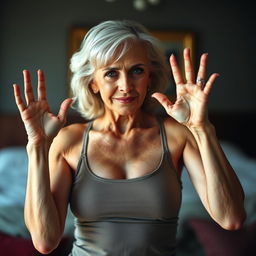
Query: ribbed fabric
(126, 217)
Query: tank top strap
(163, 135)
(165, 146)
(85, 137)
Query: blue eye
(137, 71)
(111, 73)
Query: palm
(190, 105)
(39, 122)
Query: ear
(94, 87)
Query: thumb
(163, 100)
(64, 109)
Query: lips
(125, 100)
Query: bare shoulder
(72, 131)
(177, 136)
(67, 145)
(68, 137)
(175, 129)
(178, 133)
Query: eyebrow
(116, 68)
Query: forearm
(224, 192)
(41, 215)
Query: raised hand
(40, 124)
(190, 107)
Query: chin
(127, 112)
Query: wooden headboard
(237, 128)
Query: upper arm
(60, 176)
(193, 163)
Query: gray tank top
(126, 217)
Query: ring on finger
(200, 81)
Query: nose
(125, 84)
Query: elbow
(232, 226)
(45, 243)
(234, 223)
(45, 248)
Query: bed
(197, 233)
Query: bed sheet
(13, 173)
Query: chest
(153, 196)
(125, 178)
(115, 158)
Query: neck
(121, 124)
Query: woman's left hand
(190, 107)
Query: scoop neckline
(139, 178)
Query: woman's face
(123, 84)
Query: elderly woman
(120, 171)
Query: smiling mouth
(125, 100)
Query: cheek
(144, 84)
(107, 90)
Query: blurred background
(36, 34)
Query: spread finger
(29, 96)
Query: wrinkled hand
(190, 107)
(40, 123)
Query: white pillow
(13, 173)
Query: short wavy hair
(101, 45)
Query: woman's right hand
(40, 124)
